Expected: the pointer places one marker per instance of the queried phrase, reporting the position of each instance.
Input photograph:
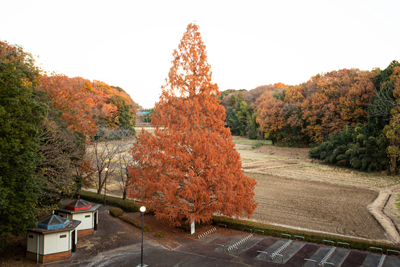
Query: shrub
(257, 144)
(116, 212)
(135, 223)
(160, 234)
(358, 147)
(126, 205)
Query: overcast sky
(249, 43)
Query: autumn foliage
(86, 104)
(189, 168)
(310, 112)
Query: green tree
(243, 114)
(384, 101)
(126, 119)
(20, 117)
(355, 147)
(147, 117)
(232, 101)
(117, 101)
(253, 127)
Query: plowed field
(295, 191)
(316, 205)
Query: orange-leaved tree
(67, 96)
(189, 169)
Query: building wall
(63, 214)
(49, 258)
(57, 242)
(32, 242)
(85, 232)
(86, 220)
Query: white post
(192, 226)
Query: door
(95, 220)
(73, 240)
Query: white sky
(249, 43)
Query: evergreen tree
(20, 116)
(125, 118)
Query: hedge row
(276, 231)
(118, 213)
(126, 205)
(135, 223)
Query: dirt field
(316, 205)
(296, 191)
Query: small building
(53, 239)
(83, 211)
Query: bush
(126, 205)
(135, 223)
(116, 212)
(257, 144)
(276, 231)
(358, 147)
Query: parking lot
(116, 243)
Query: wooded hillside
(45, 122)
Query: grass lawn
(252, 142)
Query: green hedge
(126, 205)
(116, 212)
(135, 223)
(271, 230)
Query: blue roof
(53, 222)
(142, 112)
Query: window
(87, 216)
(30, 236)
(63, 236)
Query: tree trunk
(124, 194)
(101, 184)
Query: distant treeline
(349, 116)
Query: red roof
(78, 205)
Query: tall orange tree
(189, 168)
